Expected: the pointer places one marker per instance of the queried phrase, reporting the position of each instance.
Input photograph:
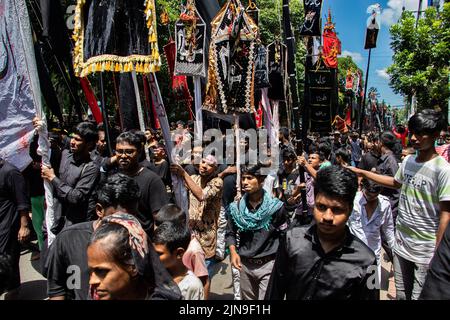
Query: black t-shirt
(368, 161)
(67, 258)
(153, 197)
(191, 170)
(13, 198)
(437, 283)
(163, 171)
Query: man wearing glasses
(129, 147)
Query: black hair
(254, 170)
(337, 182)
(131, 138)
(316, 151)
(371, 186)
(325, 149)
(118, 189)
(285, 132)
(87, 131)
(344, 154)
(6, 273)
(118, 244)
(170, 213)
(388, 140)
(172, 235)
(427, 121)
(289, 154)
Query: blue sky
(350, 17)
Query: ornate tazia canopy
(231, 61)
(115, 35)
(190, 37)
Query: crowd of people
(315, 228)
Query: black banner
(311, 26)
(321, 86)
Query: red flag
(331, 44)
(91, 99)
(349, 80)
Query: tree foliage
(422, 57)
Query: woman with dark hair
(123, 264)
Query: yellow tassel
(153, 37)
(116, 68)
(108, 66)
(156, 55)
(146, 67)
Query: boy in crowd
(194, 256)
(325, 261)
(424, 206)
(371, 219)
(171, 241)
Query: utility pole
(419, 11)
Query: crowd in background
(315, 228)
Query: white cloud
(356, 56)
(393, 11)
(383, 74)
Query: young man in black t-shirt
(126, 160)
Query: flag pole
(363, 106)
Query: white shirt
(191, 287)
(370, 231)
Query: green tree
(422, 57)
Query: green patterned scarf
(246, 220)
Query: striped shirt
(424, 185)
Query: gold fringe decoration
(113, 63)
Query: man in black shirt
(437, 283)
(153, 192)
(78, 175)
(388, 165)
(259, 220)
(325, 261)
(369, 160)
(14, 221)
(67, 270)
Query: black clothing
(163, 171)
(98, 159)
(286, 186)
(32, 174)
(191, 170)
(13, 198)
(369, 161)
(229, 189)
(260, 243)
(153, 197)
(437, 282)
(69, 249)
(303, 271)
(388, 165)
(74, 189)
